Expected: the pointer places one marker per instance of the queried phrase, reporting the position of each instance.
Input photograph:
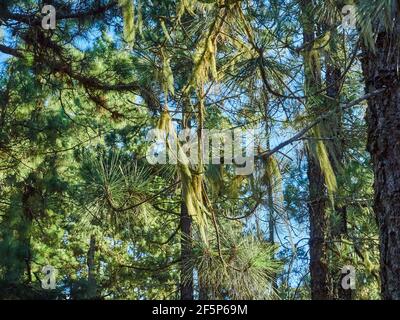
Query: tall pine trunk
(318, 230)
(338, 231)
(317, 190)
(186, 284)
(92, 287)
(380, 68)
(270, 193)
(186, 287)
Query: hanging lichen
(273, 177)
(165, 31)
(192, 191)
(167, 75)
(204, 58)
(128, 14)
(320, 153)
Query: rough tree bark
(92, 287)
(336, 153)
(318, 229)
(186, 284)
(381, 70)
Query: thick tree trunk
(25, 234)
(203, 294)
(186, 286)
(317, 191)
(318, 228)
(383, 119)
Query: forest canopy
(200, 149)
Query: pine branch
(301, 133)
